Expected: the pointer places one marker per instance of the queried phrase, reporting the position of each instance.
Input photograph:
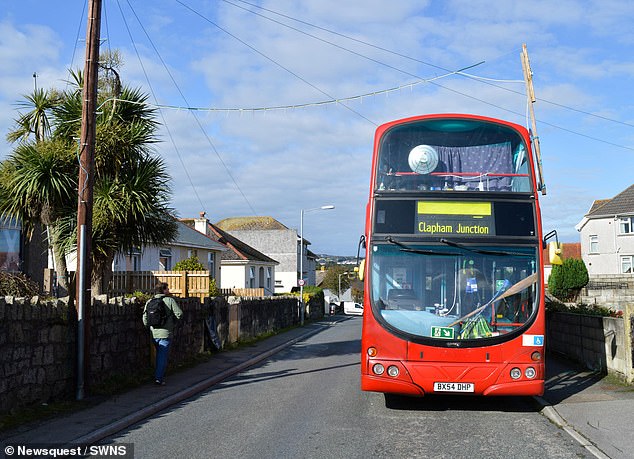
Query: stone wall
(38, 350)
(609, 290)
(599, 343)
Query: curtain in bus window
(476, 167)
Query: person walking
(163, 328)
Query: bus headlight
(392, 370)
(530, 372)
(378, 369)
(516, 373)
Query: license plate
(453, 387)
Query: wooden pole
(85, 193)
(530, 93)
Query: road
(305, 402)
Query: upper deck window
(452, 154)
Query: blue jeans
(162, 346)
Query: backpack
(156, 311)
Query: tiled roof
(238, 250)
(249, 223)
(622, 203)
(188, 236)
(568, 250)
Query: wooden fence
(244, 292)
(183, 284)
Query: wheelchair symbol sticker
(533, 340)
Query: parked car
(352, 308)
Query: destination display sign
(458, 218)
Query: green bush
(17, 284)
(213, 287)
(189, 264)
(567, 279)
(584, 309)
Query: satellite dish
(423, 159)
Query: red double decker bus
(454, 294)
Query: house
(278, 242)
(607, 235)
(188, 242)
(242, 266)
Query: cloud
(280, 161)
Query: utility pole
(530, 93)
(85, 193)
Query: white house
(242, 266)
(607, 235)
(278, 242)
(188, 242)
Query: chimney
(200, 224)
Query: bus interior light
(516, 373)
(392, 370)
(378, 369)
(530, 372)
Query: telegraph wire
(396, 53)
(193, 113)
(169, 132)
(274, 61)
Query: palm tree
(38, 184)
(36, 121)
(131, 191)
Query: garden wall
(600, 343)
(38, 340)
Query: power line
(193, 114)
(274, 61)
(169, 132)
(396, 53)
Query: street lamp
(347, 273)
(301, 258)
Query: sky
(269, 107)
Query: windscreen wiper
(405, 248)
(481, 251)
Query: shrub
(17, 284)
(189, 264)
(567, 279)
(213, 287)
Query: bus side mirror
(554, 253)
(360, 270)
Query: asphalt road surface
(305, 402)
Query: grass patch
(41, 412)
(618, 380)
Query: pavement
(595, 410)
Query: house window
(252, 277)
(135, 258)
(165, 259)
(594, 244)
(192, 253)
(268, 278)
(626, 264)
(626, 225)
(211, 266)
